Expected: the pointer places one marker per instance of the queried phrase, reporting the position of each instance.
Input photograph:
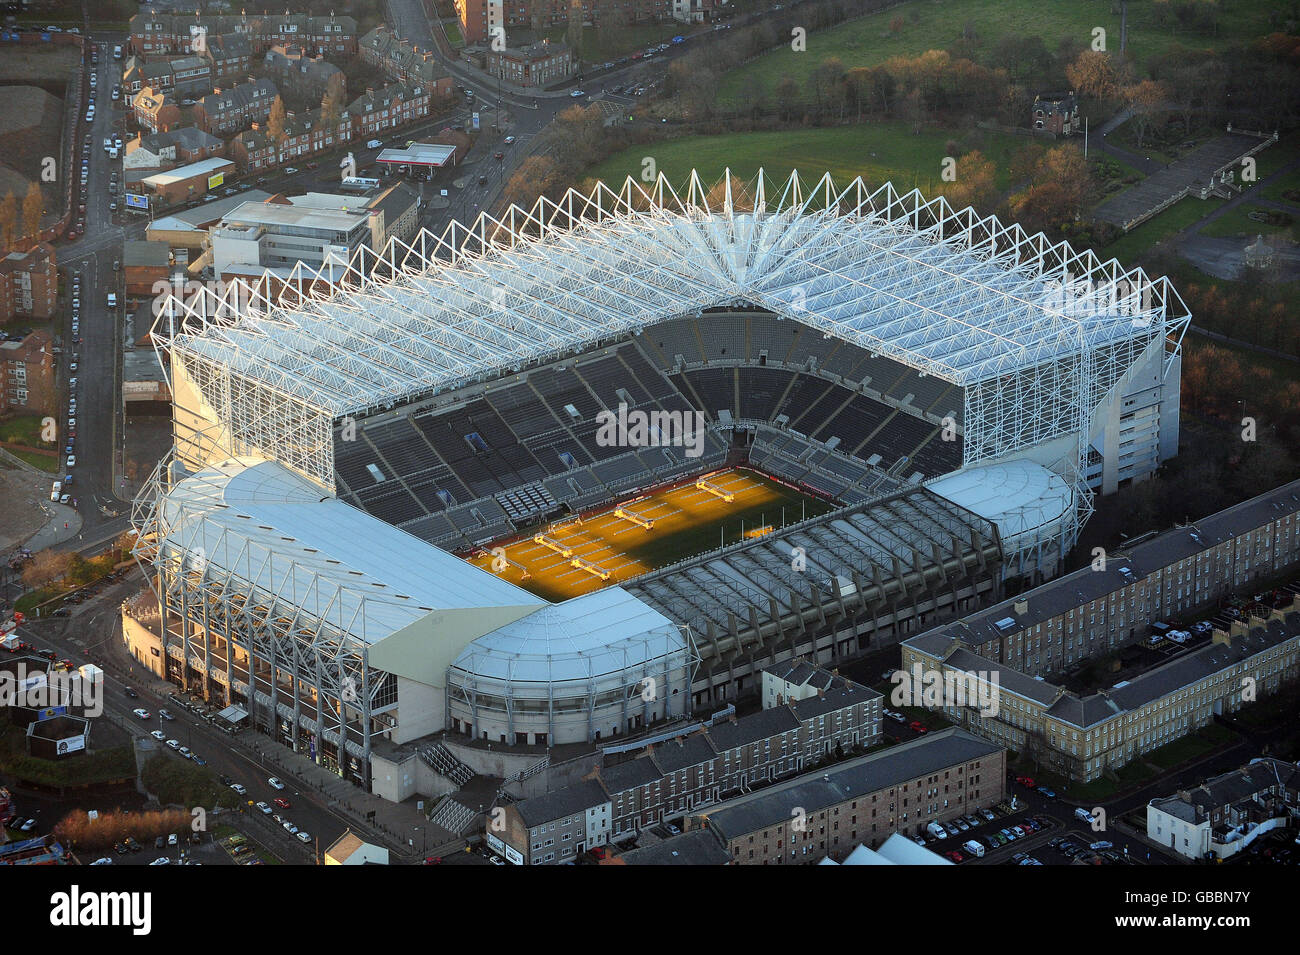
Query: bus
(358, 183)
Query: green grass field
(938, 23)
(1177, 217)
(598, 47)
(879, 152)
(43, 461)
(1238, 222)
(729, 527)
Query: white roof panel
(962, 297)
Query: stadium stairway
(452, 815)
(440, 760)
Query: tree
(573, 32)
(8, 220)
(536, 175)
(1093, 74)
(976, 183)
(1145, 99)
(33, 209)
(332, 103)
(46, 566)
(275, 122)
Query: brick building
(538, 65)
(304, 136)
(155, 111)
(403, 60)
(478, 18)
(682, 774)
(27, 374)
(861, 802)
(29, 284)
(300, 73)
(393, 106)
(186, 144)
(155, 33)
(226, 111)
(1056, 113)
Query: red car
(1026, 781)
(313, 165)
(433, 860)
(955, 856)
(917, 727)
(281, 802)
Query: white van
(54, 494)
(937, 830)
(974, 848)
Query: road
(86, 637)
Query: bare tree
(46, 566)
(33, 209)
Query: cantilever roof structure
(961, 296)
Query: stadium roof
(607, 631)
(964, 297)
(263, 523)
(1021, 497)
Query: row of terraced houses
(1156, 690)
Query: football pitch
(616, 542)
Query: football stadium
(562, 475)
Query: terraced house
(389, 108)
(154, 33)
(304, 135)
(1086, 737)
(1055, 627)
(403, 60)
(224, 112)
(156, 111)
(1224, 815)
(861, 802)
(682, 774)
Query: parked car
(264, 808)
(239, 790)
(275, 783)
(282, 802)
(159, 735)
(303, 837)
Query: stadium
(566, 474)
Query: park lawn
(24, 429)
(1186, 212)
(45, 462)
(1287, 183)
(1179, 751)
(929, 25)
(878, 152)
(598, 47)
(1237, 222)
(453, 32)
